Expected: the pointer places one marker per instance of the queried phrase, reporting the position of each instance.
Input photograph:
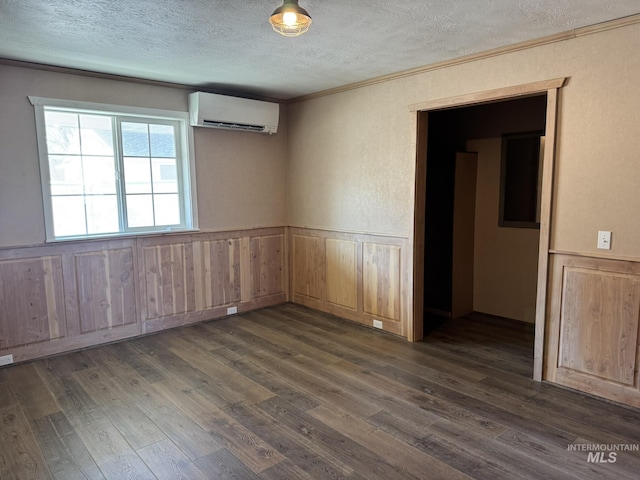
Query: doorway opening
(472, 263)
(475, 123)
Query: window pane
(102, 214)
(65, 174)
(68, 216)
(99, 175)
(137, 175)
(63, 135)
(139, 211)
(98, 163)
(96, 135)
(163, 142)
(167, 209)
(135, 139)
(165, 175)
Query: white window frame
(186, 173)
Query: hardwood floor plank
(159, 351)
(353, 376)
(222, 465)
(314, 385)
(78, 407)
(460, 458)
(299, 450)
(264, 377)
(385, 349)
(244, 444)
(77, 449)
(285, 470)
(30, 391)
(167, 462)
(288, 393)
(112, 453)
(406, 425)
(134, 425)
(250, 325)
(138, 362)
(59, 453)
(20, 455)
(364, 461)
(392, 450)
(602, 416)
(238, 388)
(517, 464)
(227, 330)
(487, 406)
(170, 419)
(570, 463)
(63, 366)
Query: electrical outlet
(232, 310)
(377, 323)
(6, 360)
(604, 240)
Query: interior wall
(505, 259)
(351, 164)
(241, 177)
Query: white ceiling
(229, 45)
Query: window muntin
(107, 173)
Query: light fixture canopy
(290, 19)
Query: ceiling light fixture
(290, 19)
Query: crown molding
(559, 37)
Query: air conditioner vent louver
(233, 126)
(233, 113)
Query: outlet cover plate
(6, 360)
(377, 323)
(232, 310)
(604, 240)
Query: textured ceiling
(229, 45)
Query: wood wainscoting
(594, 316)
(355, 276)
(67, 296)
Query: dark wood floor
(287, 393)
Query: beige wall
(241, 177)
(505, 259)
(351, 164)
(349, 161)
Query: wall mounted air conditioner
(233, 113)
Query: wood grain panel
(309, 266)
(381, 280)
(267, 265)
(31, 301)
(72, 295)
(170, 285)
(106, 292)
(592, 343)
(342, 274)
(217, 273)
(599, 323)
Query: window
(521, 180)
(110, 170)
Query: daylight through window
(108, 174)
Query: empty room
(319, 239)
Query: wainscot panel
(359, 277)
(593, 322)
(190, 278)
(66, 296)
